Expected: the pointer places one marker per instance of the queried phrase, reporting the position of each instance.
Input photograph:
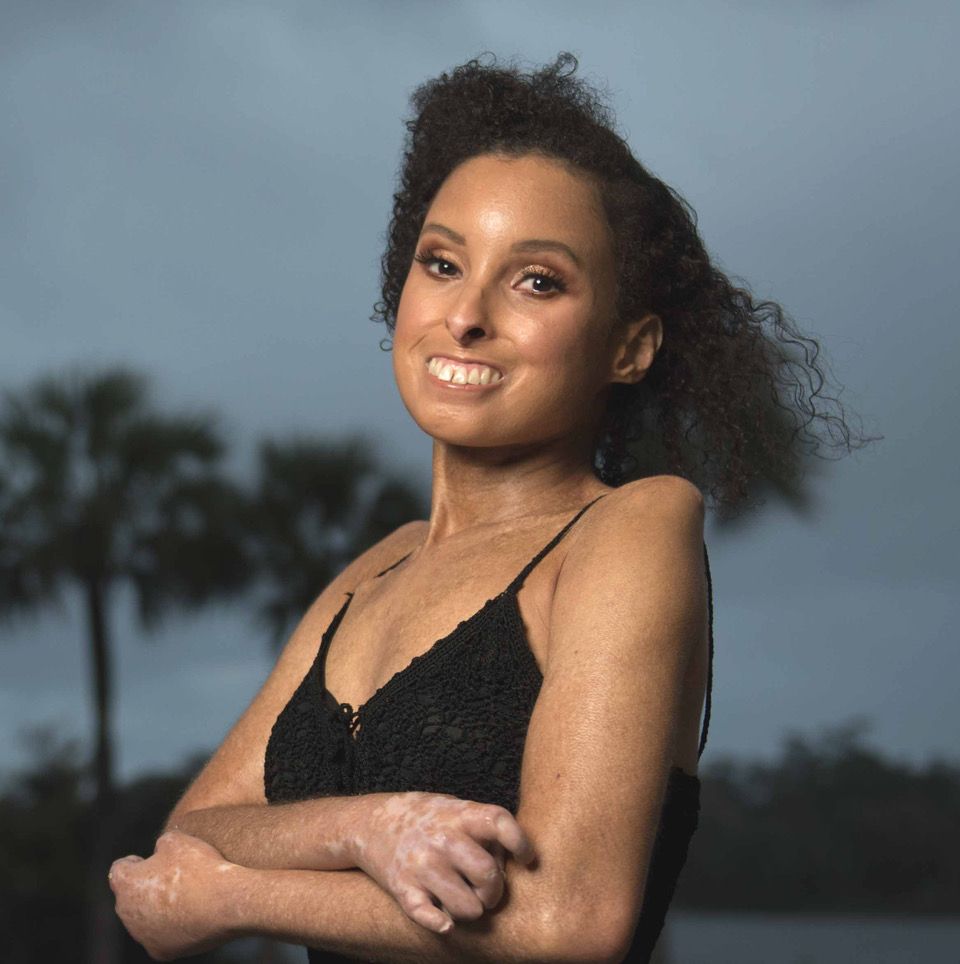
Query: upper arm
(234, 774)
(628, 612)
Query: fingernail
(448, 925)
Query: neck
(487, 487)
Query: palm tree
(316, 506)
(98, 488)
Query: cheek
(403, 306)
(405, 359)
(561, 354)
(417, 296)
(412, 317)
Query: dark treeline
(47, 834)
(829, 826)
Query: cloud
(202, 190)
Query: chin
(467, 438)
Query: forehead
(490, 197)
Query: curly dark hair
(724, 404)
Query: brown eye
(428, 258)
(557, 285)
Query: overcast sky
(201, 190)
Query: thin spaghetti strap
(379, 574)
(706, 711)
(528, 568)
(397, 563)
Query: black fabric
(454, 720)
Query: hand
(416, 845)
(172, 902)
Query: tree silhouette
(831, 824)
(316, 506)
(99, 488)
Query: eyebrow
(532, 244)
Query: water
(722, 938)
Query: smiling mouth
(460, 375)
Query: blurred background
(195, 198)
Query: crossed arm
(592, 780)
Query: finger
(497, 825)
(491, 892)
(417, 905)
(118, 867)
(456, 895)
(481, 870)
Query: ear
(637, 343)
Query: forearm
(348, 913)
(306, 835)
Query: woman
(492, 753)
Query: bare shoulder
(330, 598)
(636, 515)
(661, 493)
(381, 554)
(368, 563)
(301, 646)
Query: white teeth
(460, 375)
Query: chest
(428, 684)
(408, 614)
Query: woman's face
(514, 270)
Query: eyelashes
(430, 256)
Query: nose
(467, 319)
